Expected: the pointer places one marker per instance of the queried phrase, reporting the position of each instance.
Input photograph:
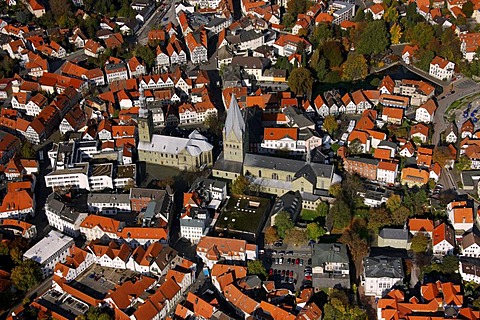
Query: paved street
(36, 292)
(463, 88)
(157, 17)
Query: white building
(469, 270)
(53, 248)
(76, 262)
(460, 215)
(116, 71)
(426, 112)
(63, 217)
(441, 68)
(101, 177)
(108, 203)
(387, 172)
(380, 274)
(212, 249)
(443, 240)
(471, 245)
(73, 177)
(193, 229)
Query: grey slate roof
(195, 223)
(329, 253)
(388, 144)
(108, 198)
(234, 121)
(469, 177)
(391, 233)
(383, 267)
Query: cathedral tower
(145, 120)
(234, 133)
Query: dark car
(282, 273)
(289, 260)
(291, 273)
(309, 262)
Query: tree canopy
(314, 231)
(240, 185)
(330, 124)
(374, 39)
(283, 222)
(271, 235)
(256, 267)
(295, 236)
(355, 67)
(26, 275)
(300, 81)
(420, 243)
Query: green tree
(256, 267)
(336, 190)
(424, 58)
(416, 201)
(23, 16)
(355, 67)
(355, 147)
(450, 264)
(322, 209)
(467, 8)
(60, 7)
(374, 39)
(146, 54)
(335, 309)
(8, 66)
(300, 81)
(27, 151)
(359, 16)
(26, 275)
(441, 155)
(378, 218)
(314, 231)
(321, 33)
(463, 163)
(357, 245)
(16, 255)
(4, 251)
(420, 34)
(391, 15)
(240, 185)
(283, 222)
(339, 216)
(332, 51)
(271, 235)
(330, 124)
(319, 64)
(294, 7)
(420, 243)
(295, 237)
(395, 33)
(394, 202)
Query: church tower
(145, 120)
(234, 135)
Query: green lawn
(309, 215)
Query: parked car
(301, 262)
(297, 261)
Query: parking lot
(287, 268)
(96, 281)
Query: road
(155, 19)
(463, 88)
(34, 293)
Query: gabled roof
(443, 232)
(416, 225)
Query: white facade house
(441, 69)
(62, 217)
(116, 72)
(76, 263)
(53, 248)
(101, 177)
(387, 172)
(74, 177)
(471, 245)
(460, 215)
(380, 274)
(426, 112)
(213, 249)
(193, 229)
(443, 240)
(469, 270)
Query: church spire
(234, 121)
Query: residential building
(470, 245)
(418, 91)
(364, 167)
(441, 68)
(394, 238)
(387, 172)
(213, 250)
(19, 228)
(425, 226)
(426, 112)
(53, 248)
(380, 274)
(330, 266)
(443, 240)
(64, 215)
(116, 72)
(460, 214)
